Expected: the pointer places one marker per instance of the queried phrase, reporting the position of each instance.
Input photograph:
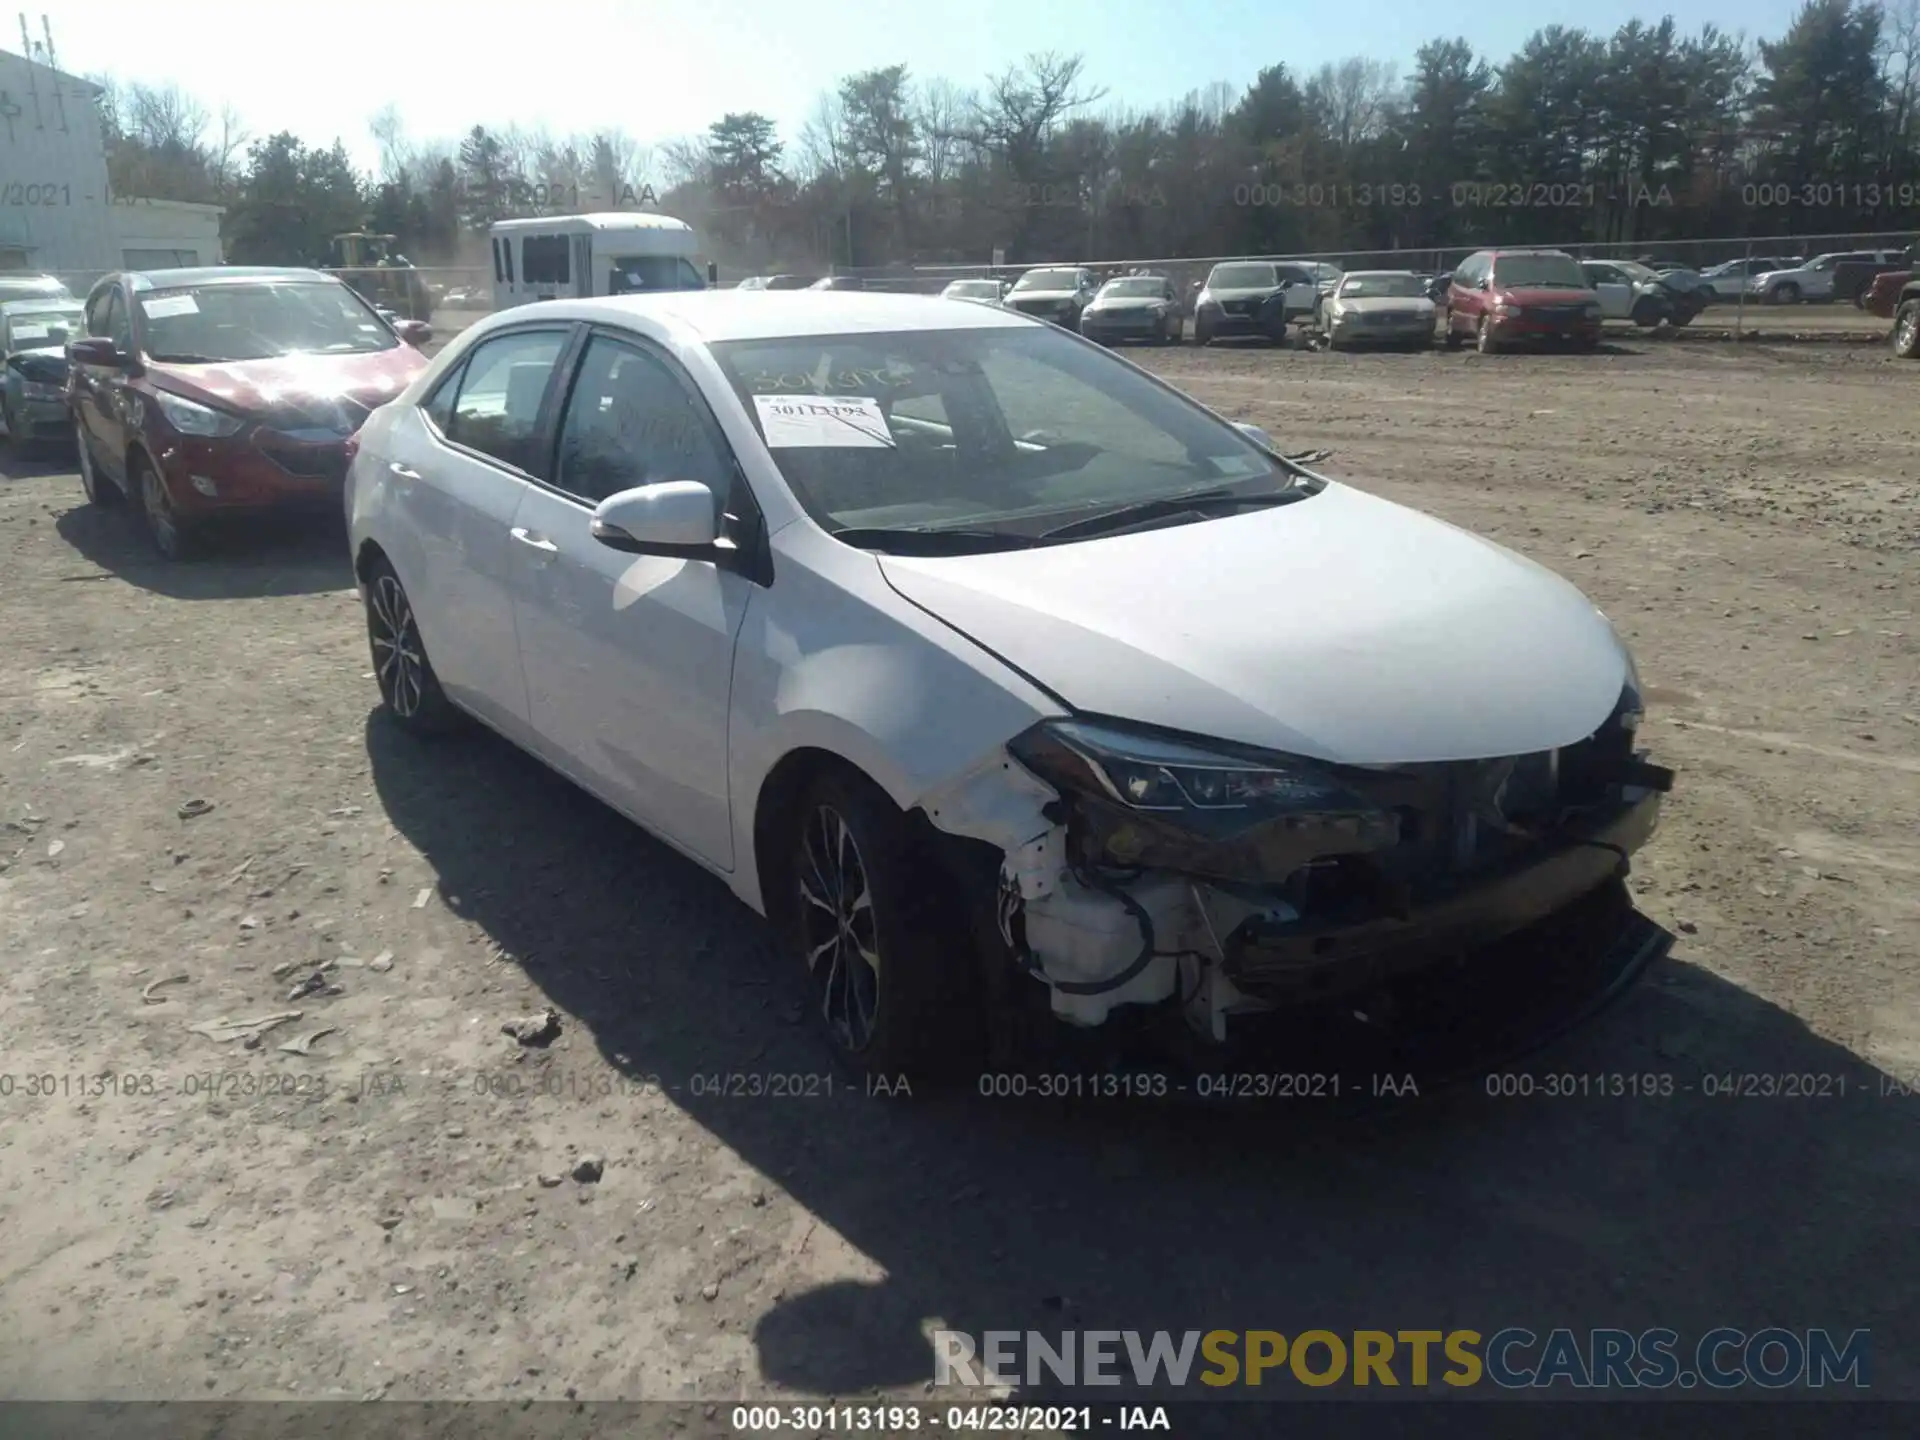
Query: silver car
(1378, 307)
(33, 349)
(987, 292)
(1133, 307)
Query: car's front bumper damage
(1116, 913)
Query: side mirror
(674, 517)
(97, 350)
(415, 332)
(1485, 282)
(1255, 434)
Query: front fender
(831, 658)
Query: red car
(207, 393)
(1882, 297)
(1502, 298)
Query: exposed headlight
(191, 418)
(1143, 771)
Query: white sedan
(1002, 677)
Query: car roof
(713, 316)
(1375, 274)
(217, 275)
(601, 220)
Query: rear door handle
(534, 542)
(401, 472)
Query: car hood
(1546, 295)
(1130, 302)
(254, 387)
(1343, 628)
(1385, 304)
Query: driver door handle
(401, 472)
(534, 542)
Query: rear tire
(895, 987)
(1906, 330)
(410, 691)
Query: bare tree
(825, 147)
(224, 151)
(1353, 99)
(940, 112)
(1024, 105)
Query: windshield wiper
(1166, 507)
(925, 540)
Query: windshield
(1363, 286)
(212, 324)
(37, 325)
(788, 282)
(975, 289)
(1636, 271)
(1240, 277)
(636, 274)
(1136, 285)
(1049, 280)
(1004, 430)
(1822, 262)
(1540, 272)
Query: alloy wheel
(158, 506)
(1907, 337)
(89, 482)
(399, 665)
(838, 929)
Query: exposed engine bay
(1146, 870)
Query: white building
(56, 212)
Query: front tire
(1788, 294)
(98, 489)
(1483, 340)
(893, 986)
(409, 689)
(1906, 330)
(172, 537)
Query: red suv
(204, 393)
(1501, 298)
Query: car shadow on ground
(35, 461)
(1681, 1210)
(271, 555)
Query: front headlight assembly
(1151, 800)
(190, 417)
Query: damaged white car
(1002, 677)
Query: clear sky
(661, 70)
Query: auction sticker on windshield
(169, 305)
(826, 421)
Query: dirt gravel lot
(371, 1219)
